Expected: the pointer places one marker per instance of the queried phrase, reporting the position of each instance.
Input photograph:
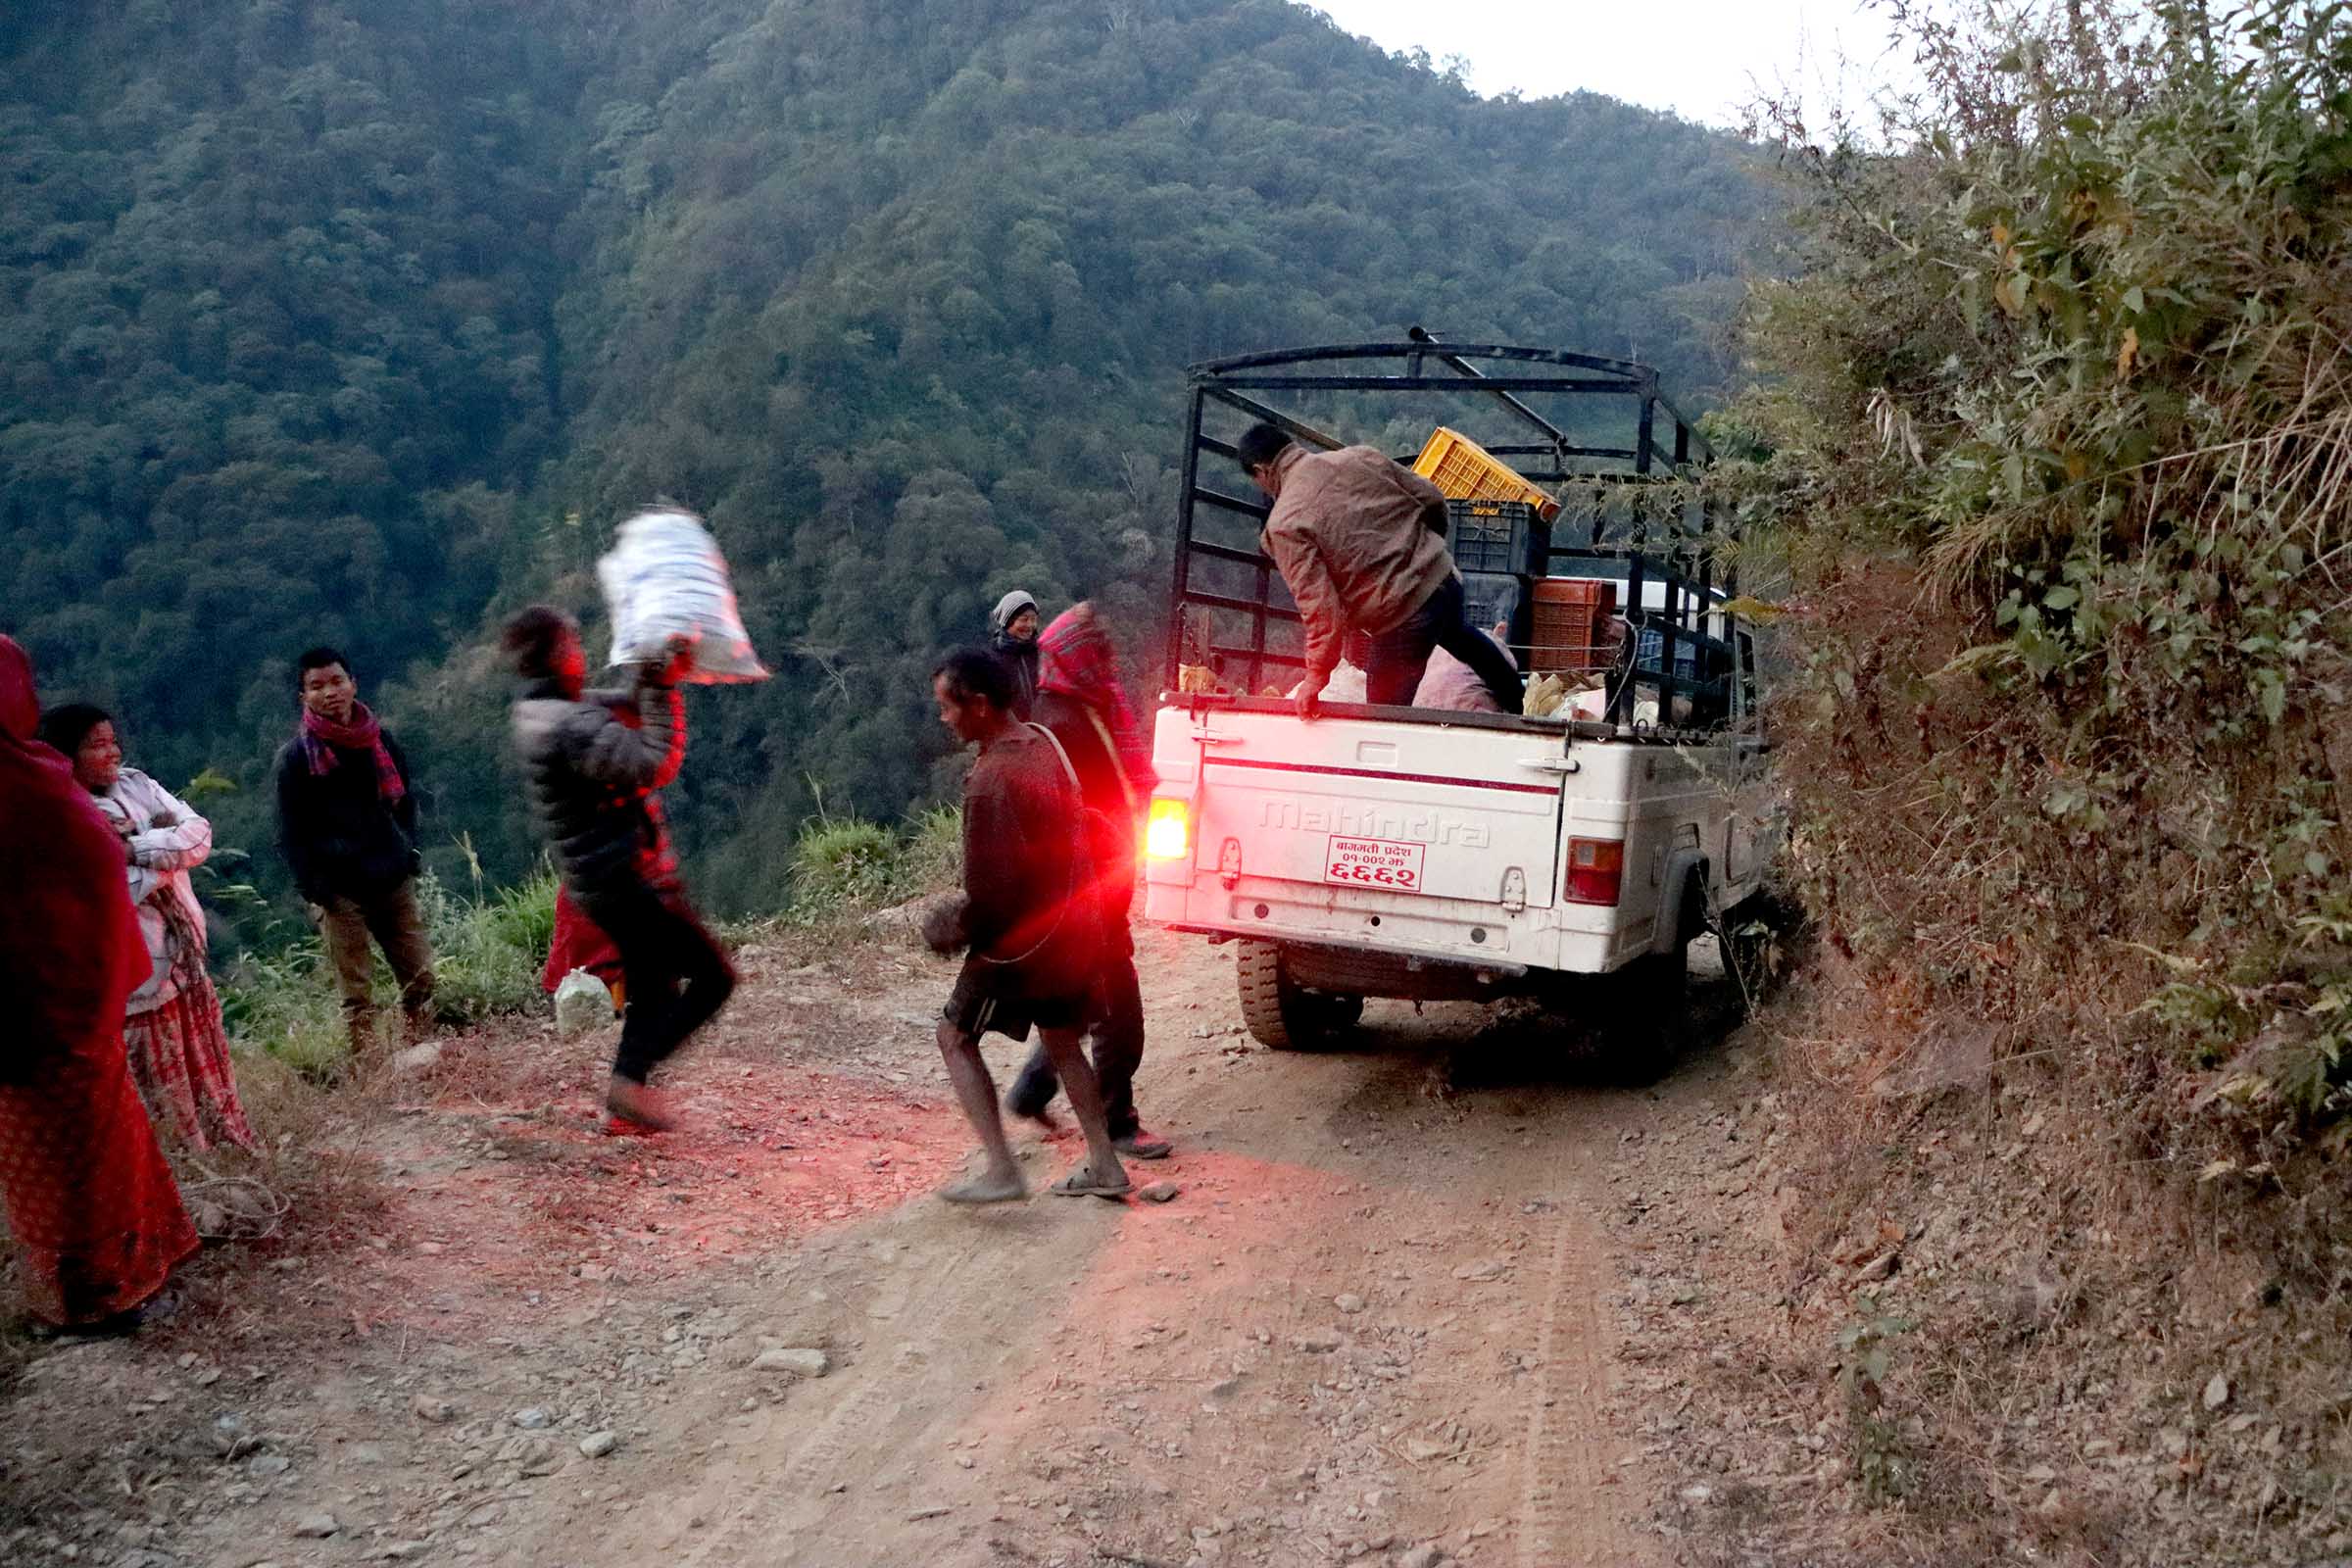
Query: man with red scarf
(346, 825)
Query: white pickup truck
(1396, 852)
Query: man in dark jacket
(1029, 923)
(1080, 700)
(592, 777)
(347, 826)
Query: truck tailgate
(1393, 807)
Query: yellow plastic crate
(1467, 471)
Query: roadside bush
(840, 864)
(487, 950)
(845, 866)
(933, 858)
(487, 953)
(2058, 439)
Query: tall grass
(844, 866)
(487, 953)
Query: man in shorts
(1028, 923)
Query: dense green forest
(363, 324)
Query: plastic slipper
(1081, 1183)
(1143, 1145)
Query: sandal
(1081, 1183)
(1141, 1145)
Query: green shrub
(487, 951)
(840, 864)
(844, 866)
(283, 1003)
(933, 861)
(487, 954)
(2058, 433)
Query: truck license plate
(1374, 862)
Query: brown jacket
(1346, 532)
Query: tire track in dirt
(1568, 1462)
(859, 1456)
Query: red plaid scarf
(321, 737)
(1075, 659)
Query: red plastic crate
(1570, 629)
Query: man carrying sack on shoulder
(593, 777)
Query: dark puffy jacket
(337, 835)
(1019, 657)
(592, 777)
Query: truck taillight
(1168, 830)
(1596, 870)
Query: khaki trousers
(394, 921)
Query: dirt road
(1374, 1324)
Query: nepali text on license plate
(1375, 863)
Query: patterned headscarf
(1076, 660)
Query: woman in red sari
(93, 1209)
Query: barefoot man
(1028, 922)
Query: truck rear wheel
(1653, 1011)
(1284, 1015)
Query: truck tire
(1654, 1001)
(1284, 1015)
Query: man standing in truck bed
(1360, 541)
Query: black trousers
(677, 974)
(1397, 658)
(1114, 1031)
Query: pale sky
(1700, 58)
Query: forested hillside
(362, 323)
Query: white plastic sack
(664, 578)
(582, 1003)
(1346, 685)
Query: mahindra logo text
(1376, 821)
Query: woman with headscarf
(1012, 638)
(90, 1202)
(178, 1051)
(1080, 699)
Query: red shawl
(1075, 659)
(321, 736)
(71, 953)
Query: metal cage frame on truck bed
(1666, 445)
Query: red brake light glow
(1168, 831)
